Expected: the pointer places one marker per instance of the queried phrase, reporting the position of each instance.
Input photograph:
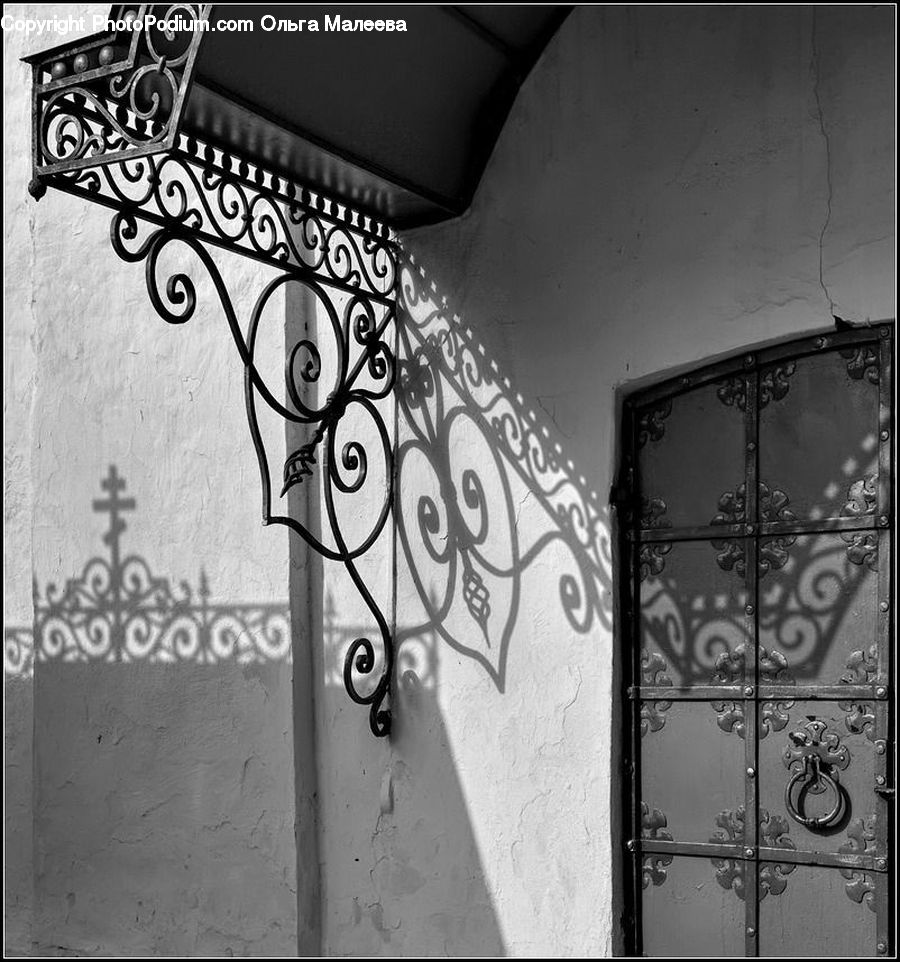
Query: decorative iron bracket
(106, 128)
(117, 96)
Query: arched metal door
(757, 524)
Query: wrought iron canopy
(398, 123)
(301, 151)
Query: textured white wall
(657, 197)
(163, 796)
(665, 190)
(18, 392)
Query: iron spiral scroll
(347, 264)
(124, 109)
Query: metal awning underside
(400, 124)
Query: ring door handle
(797, 788)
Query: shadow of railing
(417, 656)
(809, 584)
(484, 491)
(117, 611)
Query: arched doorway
(757, 650)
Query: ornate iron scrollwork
(118, 97)
(773, 386)
(651, 557)
(773, 670)
(772, 506)
(650, 422)
(773, 833)
(653, 673)
(326, 252)
(205, 199)
(862, 363)
(862, 667)
(733, 392)
(774, 383)
(814, 759)
(653, 864)
(730, 871)
(729, 670)
(862, 499)
(861, 840)
(774, 716)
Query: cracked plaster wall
(161, 813)
(18, 388)
(671, 185)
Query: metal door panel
(684, 471)
(846, 780)
(693, 620)
(756, 527)
(820, 607)
(820, 436)
(815, 916)
(690, 769)
(680, 897)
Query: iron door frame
(745, 368)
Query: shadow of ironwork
(484, 491)
(808, 586)
(118, 610)
(18, 651)
(418, 655)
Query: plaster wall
(673, 184)
(163, 796)
(18, 391)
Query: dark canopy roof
(398, 123)
(401, 123)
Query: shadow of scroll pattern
(804, 599)
(470, 455)
(117, 610)
(416, 649)
(807, 585)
